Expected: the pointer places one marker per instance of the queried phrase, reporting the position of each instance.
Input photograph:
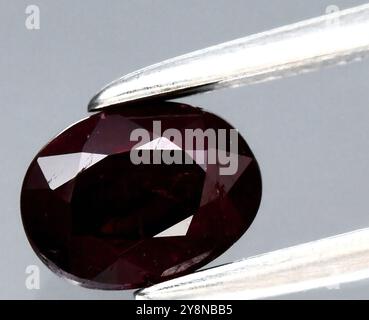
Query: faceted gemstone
(97, 218)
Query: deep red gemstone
(95, 217)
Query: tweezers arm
(331, 39)
(327, 262)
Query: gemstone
(95, 216)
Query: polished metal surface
(323, 263)
(327, 40)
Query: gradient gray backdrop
(310, 133)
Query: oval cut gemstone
(128, 198)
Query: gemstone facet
(95, 217)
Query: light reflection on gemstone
(178, 230)
(161, 143)
(62, 168)
(184, 265)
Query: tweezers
(332, 39)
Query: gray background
(310, 133)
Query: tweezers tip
(140, 295)
(94, 104)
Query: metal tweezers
(332, 39)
